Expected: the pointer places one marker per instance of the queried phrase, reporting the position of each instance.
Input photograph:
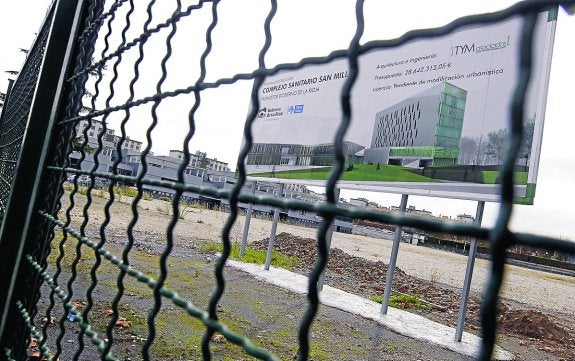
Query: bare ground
(260, 310)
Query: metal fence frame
(44, 106)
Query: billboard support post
(393, 258)
(247, 222)
(468, 276)
(328, 237)
(273, 231)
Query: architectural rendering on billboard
(430, 117)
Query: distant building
(465, 218)
(128, 143)
(359, 202)
(421, 131)
(201, 161)
(418, 212)
(110, 140)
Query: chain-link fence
(64, 173)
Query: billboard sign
(430, 117)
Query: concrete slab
(400, 321)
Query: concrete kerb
(399, 321)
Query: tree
(468, 150)
(527, 141)
(78, 145)
(497, 145)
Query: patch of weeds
(317, 351)
(133, 287)
(377, 299)
(101, 316)
(99, 193)
(391, 348)
(403, 302)
(126, 191)
(178, 334)
(184, 208)
(84, 263)
(181, 277)
(210, 247)
(254, 256)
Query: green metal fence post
(15, 228)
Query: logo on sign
(294, 109)
(479, 48)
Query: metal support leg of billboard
(393, 258)
(247, 222)
(328, 237)
(468, 275)
(273, 231)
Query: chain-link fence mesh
(15, 114)
(70, 245)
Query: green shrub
(254, 256)
(403, 302)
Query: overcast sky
(314, 28)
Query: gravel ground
(419, 268)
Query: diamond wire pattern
(15, 115)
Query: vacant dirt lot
(422, 268)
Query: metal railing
(75, 59)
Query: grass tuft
(403, 302)
(254, 256)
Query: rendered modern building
(295, 155)
(421, 131)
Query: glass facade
(449, 124)
(426, 126)
(423, 152)
(300, 155)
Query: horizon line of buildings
(204, 172)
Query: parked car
(85, 181)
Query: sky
(304, 28)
